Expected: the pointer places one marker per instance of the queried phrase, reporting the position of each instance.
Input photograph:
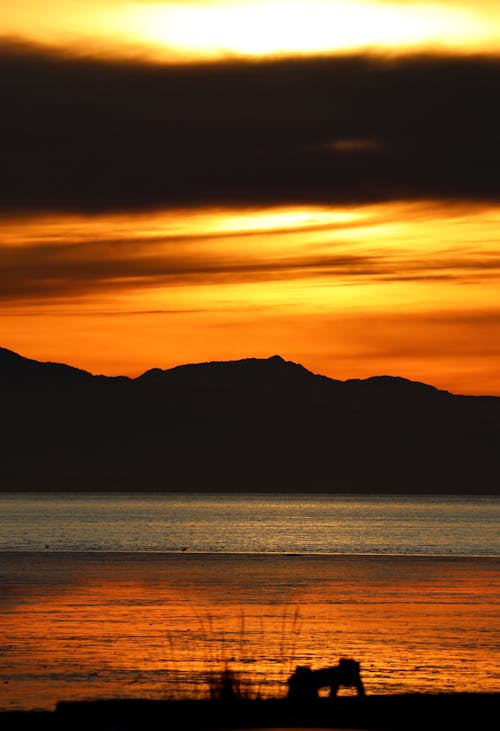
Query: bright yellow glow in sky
(216, 28)
(315, 26)
(403, 288)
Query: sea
(106, 595)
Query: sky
(195, 181)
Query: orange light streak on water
(157, 626)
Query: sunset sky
(192, 181)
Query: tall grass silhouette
(244, 660)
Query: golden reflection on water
(158, 626)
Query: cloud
(57, 270)
(352, 145)
(79, 134)
(72, 257)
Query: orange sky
(169, 29)
(406, 286)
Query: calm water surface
(146, 596)
(442, 525)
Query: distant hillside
(16, 370)
(247, 425)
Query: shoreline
(392, 712)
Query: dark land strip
(457, 711)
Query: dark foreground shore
(467, 711)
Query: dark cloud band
(90, 135)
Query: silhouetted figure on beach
(304, 684)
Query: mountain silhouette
(246, 425)
(15, 369)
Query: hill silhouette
(246, 425)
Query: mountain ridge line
(155, 373)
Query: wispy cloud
(376, 244)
